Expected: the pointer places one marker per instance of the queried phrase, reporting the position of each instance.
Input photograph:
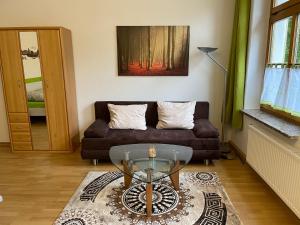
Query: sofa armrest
(98, 129)
(204, 129)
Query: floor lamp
(224, 148)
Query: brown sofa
(98, 138)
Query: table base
(174, 177)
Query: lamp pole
(207, 51)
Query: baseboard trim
(238, 151)
(4, 144)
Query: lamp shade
(207, 49)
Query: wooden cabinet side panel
(52, 72)
(70, 86)
(12, 71)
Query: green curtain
(237, 64)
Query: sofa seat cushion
(204, 129)
(157, 135)
(104, 144)
(98, 129)
(114, 137)
(120, 135)
(205, 144)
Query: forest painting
(153, 50)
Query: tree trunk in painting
(187, 42)
(120, 53)
(164, 48)
(149, 48)
(169, 49)
(143, 48)
(140, 50)
(152, 51)
(173, 48)
(127, 50)
(183, 44)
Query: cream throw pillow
(127, 116)
(175, 115)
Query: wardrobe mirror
(34, 89)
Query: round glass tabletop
(150, 162)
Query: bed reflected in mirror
(34, 89)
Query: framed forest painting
(153, 50)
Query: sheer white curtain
(281, 89)
(293, 94)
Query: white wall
(93, 25)
(255, 72)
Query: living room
(161, 112)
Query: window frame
(287, 9)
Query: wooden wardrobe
(37, 70)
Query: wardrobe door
(12, 72)
(52, 69)
(14, 90)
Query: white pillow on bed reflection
(36, 95)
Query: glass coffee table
(150, 163)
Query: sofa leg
(206, 162)
(95, 162)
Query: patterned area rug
(102, 199)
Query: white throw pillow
(175, 115)
(127, 116)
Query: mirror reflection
(34, 89)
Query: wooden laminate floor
(39, 133)
(37, 186)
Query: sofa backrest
(102, 112)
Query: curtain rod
(283, 65)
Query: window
(281, 89)
(279, 2)
(296, 58)
(281, 41)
